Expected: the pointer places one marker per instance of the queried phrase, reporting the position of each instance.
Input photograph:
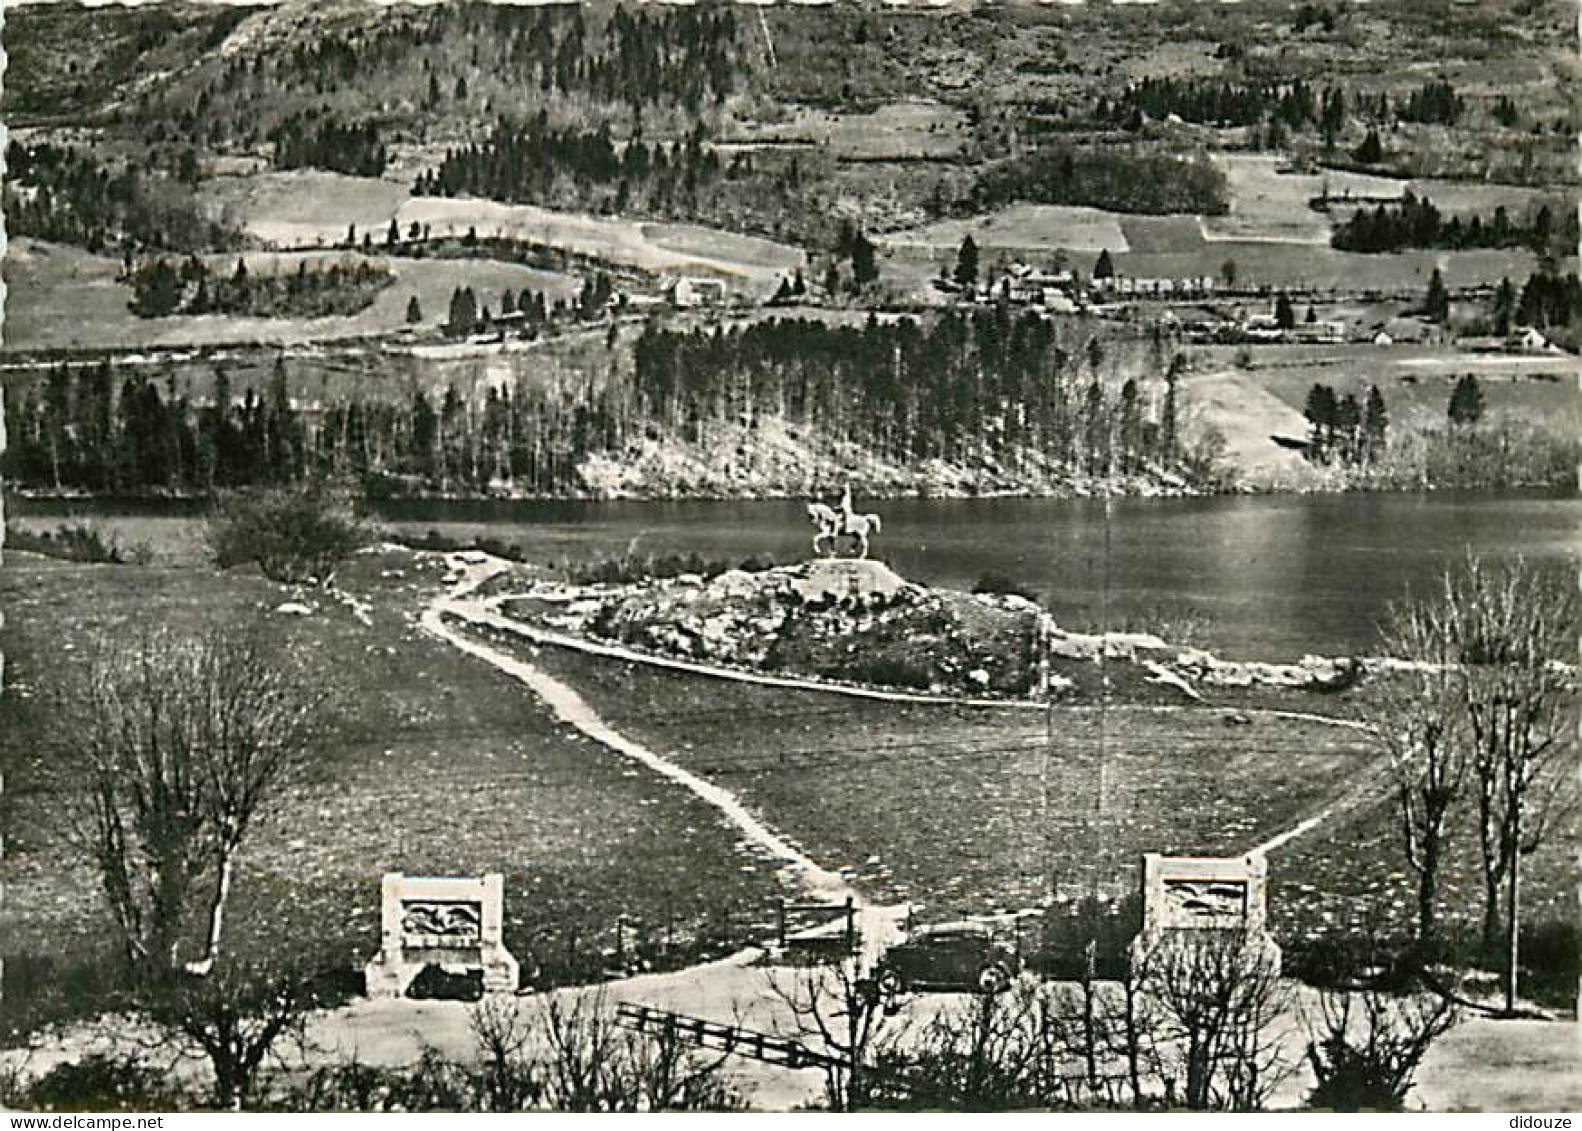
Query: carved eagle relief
(441, 920)
(1204, 903)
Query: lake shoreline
(1569, 488)
(1262, 577)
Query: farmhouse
(1406, 330)
(1263, 328)
(1326, 332)
(1525, 339)
(691, 291)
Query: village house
(1322, 332)
(691, 291)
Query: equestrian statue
(843, 523)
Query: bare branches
(1218, 998)
(589, 1064)
(842, 1011)
(1365, 1048)
(172, 746)
(1488, 705)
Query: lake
(1266, 577)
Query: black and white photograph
(820, 556)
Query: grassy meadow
(440, 765)
(973, 810)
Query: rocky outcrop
(860, 622)
(856, 621)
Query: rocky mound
(843, 620)
(859, 622)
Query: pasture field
(441, 765)
(61, 297)
(1269, 200)
(1180, 247)
(1415, 381)
(676, 248)
(311, 208)
(1031, 227)
(301, 207)
(1264, 263)
(970, 811)
(895, 131)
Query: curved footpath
(878, 923)
(817, 881)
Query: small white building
(1526, 339)
(690, 291)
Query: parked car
(949, 957)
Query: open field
(895, 131)
(1034, 227)
(1176, 247)
(1249, 416)
(303, 206)
(308, 208)
(879, 789)
(649, 247)
(441, 765)
(1269, 202)
(1414, 379)
(62, 297)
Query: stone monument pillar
(1187, 894)
(456, 923)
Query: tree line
(1548, 301)
(971, 389)
(1117, 179)
(351, 148)
(161, 288)
(468, 314)
(1218, 102)
(980, 390)
(92, 430)
(1344, 430)
(536, 163)
(1417, 222)
(1283, 107)
(61, 194)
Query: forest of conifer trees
(978, 391)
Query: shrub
(436, 542)
(46, 989)
(294, 534)
(629, 568)
(76, 542)
(1003, 585)
(99, 1082)
(1551, 958)
(1367, 1046)
(566, 1054)
(890, 671)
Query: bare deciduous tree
(172, 747)
(1416, 715)
(502, 1034)
(589, 1064)
(238, 1017)
(840, 1011)
(1513, 630)
(1218, 1000)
